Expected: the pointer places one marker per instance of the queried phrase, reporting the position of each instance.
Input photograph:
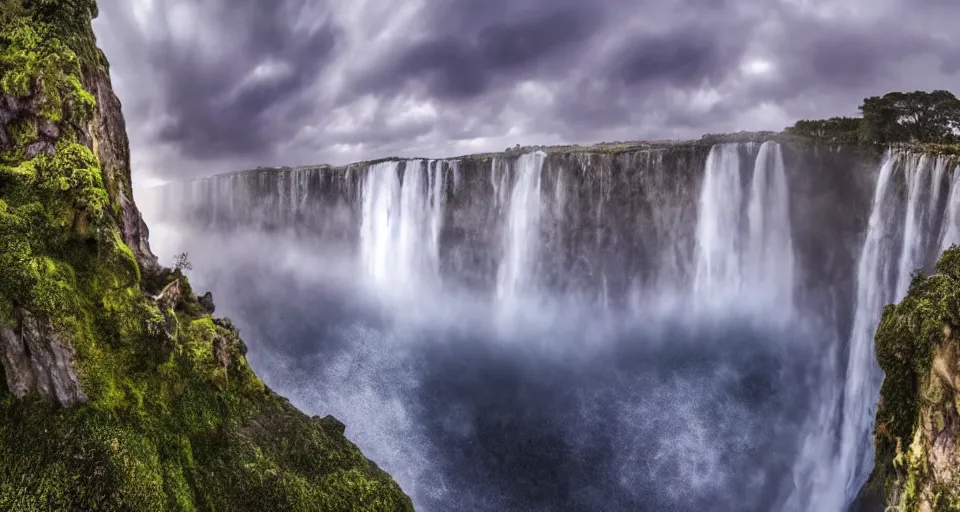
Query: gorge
(670, 326)
(697, 325)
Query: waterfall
(863, 376)
(400, 224)
(521, 241)
(745, 253)
(910, 255)
(880, 281)
(381, 195)
(708, 311)
(770, 258)
(435, 211)
(902, 230)
(413, 247)
(718, 226)
(951, 220)
(297, 194)
(939, 170)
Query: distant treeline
(896, 117)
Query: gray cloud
(221, 85)
(459, 67)
(221, 101)
(675, 58)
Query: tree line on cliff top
(896, 117)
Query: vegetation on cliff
(836, 130)
(917, 424)
(122, 391)
(919, 117)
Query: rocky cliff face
(38, 362)
(841, 233)
(917, 427)
(121, 391)
(626, 205)
(611, 220)
(108, 135)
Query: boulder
(206, 300)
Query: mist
(656, 331)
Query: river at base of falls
(723, 394)
(545, 410)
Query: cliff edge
(120, 390)
(917, 429)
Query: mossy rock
(916, 346)
(174, 417)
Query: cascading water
(863, 373)
(400, 223)
(913, 229)
(951, 220)
(666, 345)
(718, 228)
(380, 220)
(769, 255)
(745, 251)
(522, 234)
(903, 226)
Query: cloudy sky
(222, 85)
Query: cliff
(121, 391)
(917, 426)
(608, 211)
(606, 221)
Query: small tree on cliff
(181, 263)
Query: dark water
(573, 413)
(674, 329)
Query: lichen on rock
(118, 390)
(918, 425)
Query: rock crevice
(37, 361)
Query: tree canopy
(911, 117)
(919, 117)
(836, 130)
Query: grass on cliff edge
(176, 419)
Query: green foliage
(176, 418)
(917, 117)
(741, 136)
(942, 149)
(836, 130)
(36, 63)
(9, 9)
(880, 122)
(907, 338)
(52, 205)
(70, 22)
(184, 433)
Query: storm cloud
(222, 85)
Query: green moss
(908, 337)
(70, 22)
(176, 418)
(934, 391)
(36, 62)
(23, 131)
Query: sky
(224, 85)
